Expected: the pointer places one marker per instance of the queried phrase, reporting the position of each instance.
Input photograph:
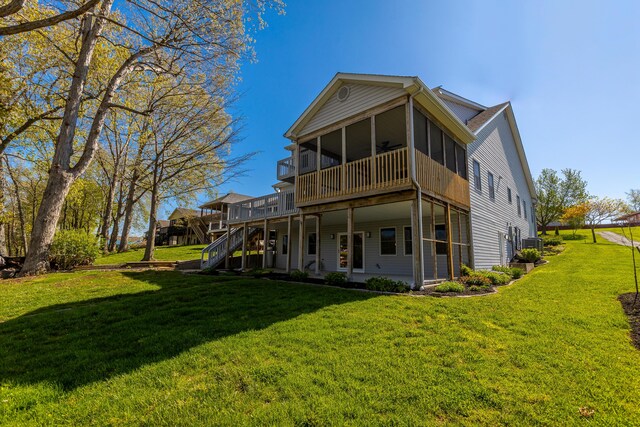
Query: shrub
(335, 279)
(514, 272)
(476, 280)
(450, 287)
(299, 275)
(465, 270)
(497, 278)
(259, 273)
(71, 248)
(475, 288)
(384, 284)
(529, 255)
(502, 269)
(552, 241)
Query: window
(476, 175)
(435, 142)
(408, 241)
(519, 207)
(450, 153)
(492, 190)
(509, 195)
(441, 237)
(524, 208)
(311, 244)
(388, 241)
(461, 158)
(285, 244)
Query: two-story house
(377, 183)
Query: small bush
(71, 248)
(476, 280)
(529, 255)
(449, 287)
(475, 288)
(465, 270)
(552, 241)
(384, 284)
(259, 272)
(514, 272)
(502, 269)
(299, 275)
(497, 278)
(335, 279)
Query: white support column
(289, 240)
(264, 243)
(349, 242)
(318, 258)
(416, 249)
(245, 237)
(301, 243)
(374, 171)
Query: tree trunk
(37, 260)
(3, 228)
(544, 229)
(113, 239)
(593, 234)
(151, 232)
(106, 216)
(16, 190)
(128, 213)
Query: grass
(164, 348)
(162, 253)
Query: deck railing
(269, 206)
(384, 171)
(286, 168)
(437, 179)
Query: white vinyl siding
(361, 98)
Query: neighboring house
(377, 184)
(502, 190)
(632, 218)
(214, 213)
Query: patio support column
(245, 236)
(416, 242)
(349, 242)
(449, 242)
(301, 243)
(289, 229)
(374, 171)
(227, 247)
(318, 244)
(265, 238)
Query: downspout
(416, 184)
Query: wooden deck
(435, 179)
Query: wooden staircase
(214, 254)
(199, 228)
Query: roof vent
(343, 93)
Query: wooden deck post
(449, 242)
(416, 242)
(349, 242)
(227, 247)
(318, 244)
(265, 237)
(245, 236)
(289, 229)
(301, 243)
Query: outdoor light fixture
(368, 234)
(332, 236)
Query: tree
(31, 23)
(556, 194)
(601, 209)
(196, 41)
(574, 216)
(633, 196)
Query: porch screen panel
(435, 143)
(358, 140)
(420, 132)
(331, 147)
(391, 130)
(450, 153)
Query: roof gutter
(415, 182)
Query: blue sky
(570, 69)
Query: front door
(358, 251)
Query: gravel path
(616, 238)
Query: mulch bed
(431, 291)
(633, 314)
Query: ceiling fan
(386, 146)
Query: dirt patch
(633, 314)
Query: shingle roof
(476, 122)
(227, 199)
(184, 213)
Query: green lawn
(162, 253)
(151, 348)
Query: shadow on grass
(78, 343)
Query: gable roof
(183, 213)
(476, 123)
(228, 198)
(412, 86)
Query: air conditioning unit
(532, 242)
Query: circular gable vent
(343, 93)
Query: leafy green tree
(556, 194)
(633, 196)
(600, 209)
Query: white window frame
(477, 183)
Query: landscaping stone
(524, 266)
(7, 273)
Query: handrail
(269, 206)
